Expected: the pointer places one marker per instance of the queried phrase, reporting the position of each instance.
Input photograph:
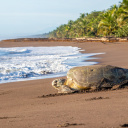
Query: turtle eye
(54, 83)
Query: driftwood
(102, 39)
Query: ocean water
(27, 63)
(5, 37)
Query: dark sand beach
(21, 104)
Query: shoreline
(21, 106)
(112, 53)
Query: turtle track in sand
(80, 92)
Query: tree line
(111, 22)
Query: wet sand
(21, 104)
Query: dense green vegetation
(112, 22)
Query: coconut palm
(106, 23)
(83, 24)
(123, 11)
(109, 23)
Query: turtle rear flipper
(120, 85)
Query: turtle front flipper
(105, 84)
(65, 89)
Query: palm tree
(83, 24)
(123, 11)
(124, 4)
(109, 23)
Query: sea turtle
(92, 77)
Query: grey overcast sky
(26, 17)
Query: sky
(31, 17)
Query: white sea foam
(22, 63)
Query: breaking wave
(21, 63)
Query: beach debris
(3, 118)
(83, 39)
(97, 98)
(95, 77)
(68, 124)
(124, 125)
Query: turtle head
(58, 83)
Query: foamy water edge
(42, 62)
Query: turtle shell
(96, 76)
